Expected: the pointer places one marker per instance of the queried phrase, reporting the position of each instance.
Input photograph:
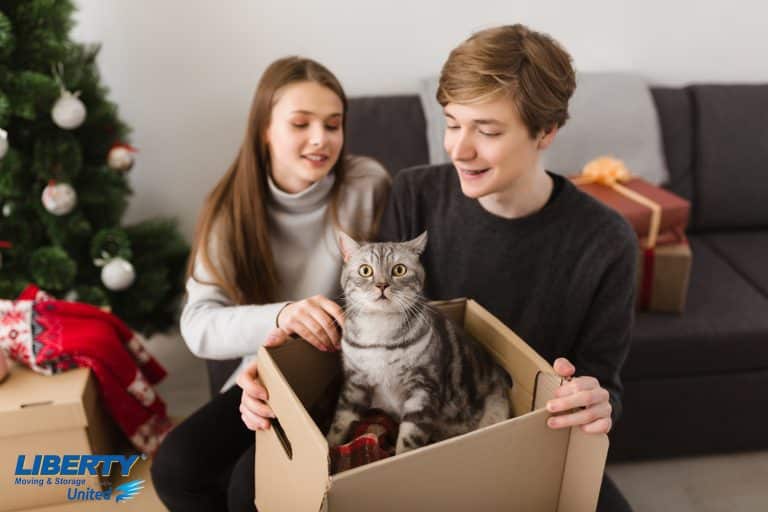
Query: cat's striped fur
(404, 357)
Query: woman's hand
(316, 319)
(254, 410)
(584, 393)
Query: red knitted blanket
(50, 336)
(371, 438)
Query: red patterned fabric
(372, 438)
(51, 336)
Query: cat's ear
(347, 245)
(418, 244)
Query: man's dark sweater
(563, 278)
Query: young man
(553, 264)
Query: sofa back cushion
(390, 129)
(673, 106)
(730, 156)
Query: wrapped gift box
(675, 210)
(664, 273)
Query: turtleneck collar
(309, 199)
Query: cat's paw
(340, 426)
(335, 436)
(409, 438)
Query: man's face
(490, 146)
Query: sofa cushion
(731, 155)
(610, 114)
(390, 129)
(673, 106)
(747, 252)
(724, 328)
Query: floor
(737, 482)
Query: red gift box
(607, 180)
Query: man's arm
(607, 331)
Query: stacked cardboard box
(41, 415)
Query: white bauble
(59, 198)
(69, 111)
(3, 143)
(118, 274)
(7, 209)
(120, 158)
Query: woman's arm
(215, 328)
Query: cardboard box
(41, 415)
(663, 277)
(518, 464)
(675, 210)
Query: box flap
(585, 458)
(506, 466)
(292, 456)
(30, 402)
(544, 390)
(514, 354)
(583, 473)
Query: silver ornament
(3, 143)
(59, 198)
(69, 111)
(118, 274)
(120, 158)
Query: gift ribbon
(611, 172)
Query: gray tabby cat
(403, 357)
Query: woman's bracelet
(278, 313)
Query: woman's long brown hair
(237, 205)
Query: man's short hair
(531, 68)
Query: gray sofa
(698, 382)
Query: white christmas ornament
(120, 158)
(69, 111)
(59, 198)
(117, 274)
(7, 209)
(3, 143)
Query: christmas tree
(64, 159)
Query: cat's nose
(382, 286)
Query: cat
(404, 357)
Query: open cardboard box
(59, 414)
(517, 464)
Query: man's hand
(582, 393)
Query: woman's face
(490, 146)
(305, 135)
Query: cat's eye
(399, 270)
(365, 270)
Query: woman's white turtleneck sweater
(307, 260)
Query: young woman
(266, 255)
(553, 264)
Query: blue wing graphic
(128, 490)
